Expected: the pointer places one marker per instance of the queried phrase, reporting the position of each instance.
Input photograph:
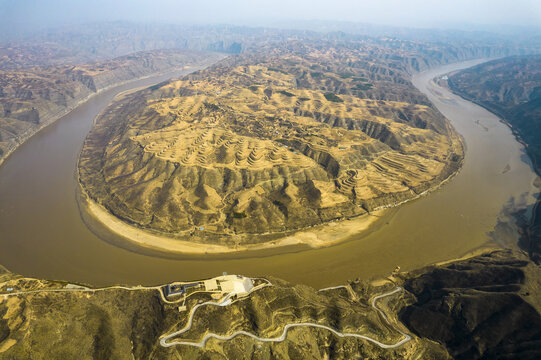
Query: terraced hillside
(263, 144)
(34, 97)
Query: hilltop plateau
(266, 143)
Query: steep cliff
(483, 308)
(511, 88)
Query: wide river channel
(43, 235)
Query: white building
(230, 284)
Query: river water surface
(42, 233)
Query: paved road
(82, 289)
(227, 301)
(333, 288)
(164, 340)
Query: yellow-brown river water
(43, 235)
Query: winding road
(82, 289)
(226, 301)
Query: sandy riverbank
(315, 237)
(60, 243)
(320, 236)
(189, 243)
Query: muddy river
(42, 233)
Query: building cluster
(235, 285)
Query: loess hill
(262, 144)
(486, 307)
(55, 320)
(34, 97)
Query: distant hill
(107, 40)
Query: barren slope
(35, 97)
(54, 320)
(486, 307)
(266, 144)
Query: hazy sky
(418, 13)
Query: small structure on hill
(231, 284)
(179, 289)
